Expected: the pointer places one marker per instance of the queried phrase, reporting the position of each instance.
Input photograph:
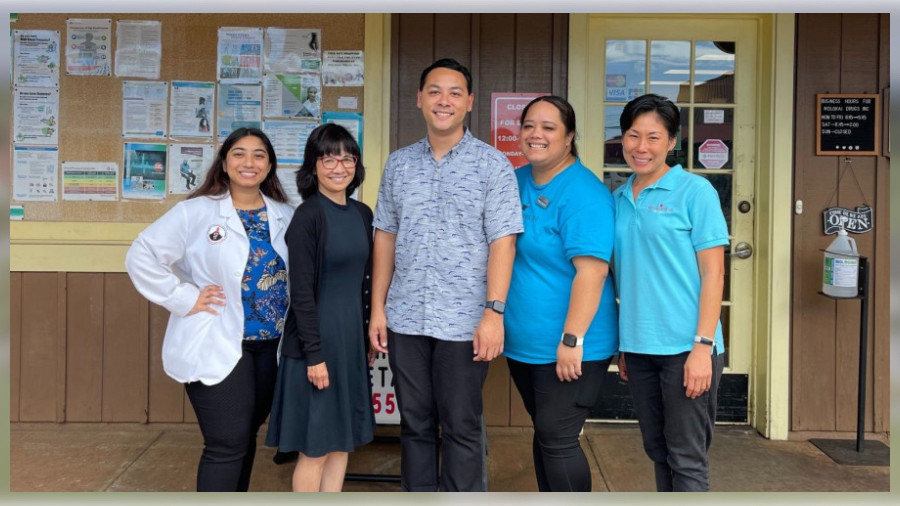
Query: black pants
(676, 429)
(558, 410)
(230, 414)
(438, 383)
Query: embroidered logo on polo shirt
(215, 234)
(661, 208)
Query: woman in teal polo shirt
(560, 319)
(669, 264)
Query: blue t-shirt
(657, 275)
(264, 285)
(570, 216)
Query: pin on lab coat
(181, 253)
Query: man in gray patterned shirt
(446, 221)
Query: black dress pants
(439, 385)
(558, 410)
(230, 413)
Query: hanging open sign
(857, 222)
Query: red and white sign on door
(713, 154)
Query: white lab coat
(175, 257)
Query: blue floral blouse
(264, 285)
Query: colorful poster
(36, 58)
(506, 113)
(35, 174)
(144, 110)
(144, 176)
(138, 48)
(289, 139)
(188, 165)
(352, 121)
(88, 47)
(239, 55)
(240, 105)
(286, 49)
(292, 95)
(192, 109)
(342, 68)
(98, 181)
(35, 115)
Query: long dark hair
(327, 140)
(566, 114)
(217, 183)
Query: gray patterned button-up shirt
(445, 215)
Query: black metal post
(863, 329)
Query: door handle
(742, 250)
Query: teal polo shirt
(655, 257)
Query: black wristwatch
(571, 340)
(497, 306)
(704, 340)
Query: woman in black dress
(323, 401)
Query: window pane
(626, 69)
(722, 184)
(717, 127)
(670, 69)
(714, 72)
(612, 137)
(613, 180)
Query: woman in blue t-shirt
(560, 321)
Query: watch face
(570, 340)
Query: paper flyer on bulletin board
(352, 121)
(239, 55)
(96, 181)
(88, 47)
(240, 105)
(144, 176)
(35, 173)
(35, 115)
(35, 58)
(138, 48)
(192, 109)
(144, 109)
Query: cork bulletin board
(90, 107)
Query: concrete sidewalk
(163, 457)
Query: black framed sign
(847, 124)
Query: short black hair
(327, 140)
(447, 63)
(651, 102)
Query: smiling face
(444, 100)
(645, 146)
(543, 138)
(333, 183)
(247, 163)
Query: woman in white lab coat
(218, 262)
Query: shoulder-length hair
(327, 140)
(217, 183)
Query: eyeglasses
(330, 162)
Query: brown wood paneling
(15, 343)
(84, 357)
(125, 362)
(534, 53)
(415, 51)
(838, 54)
(39, 360)
(813, 344)
(166, 396)
(859, 71)
(881, 301)
(497, 68)
(496, 394)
